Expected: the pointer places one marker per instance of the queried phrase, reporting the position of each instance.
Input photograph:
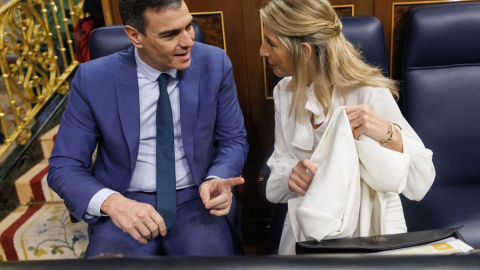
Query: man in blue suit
(113, 106)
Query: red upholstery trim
(36, 184)
(6, 239)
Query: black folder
(377, 243)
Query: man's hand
(140, 220)
(217, 194)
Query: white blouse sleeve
(282, 161)
(421, 171)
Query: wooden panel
(107, 12)
(361, 7)
(110, 12)
(212, 27)
(393, 15)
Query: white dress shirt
(144, 175)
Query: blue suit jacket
(103, 109)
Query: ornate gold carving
(32, 37)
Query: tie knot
(163, 80)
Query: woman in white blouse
(322, 72)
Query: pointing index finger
(235, 181)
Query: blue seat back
(366, 34)
(441, 74)
(441, 71)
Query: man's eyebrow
(172, 31)
(169, 32)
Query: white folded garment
(348, 195)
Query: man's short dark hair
(132, 12)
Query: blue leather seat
(366, 34)
(106, 40)
(441, 72)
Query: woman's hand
(364, 121)
(300, 179)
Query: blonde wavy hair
(337, 63)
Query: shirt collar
(150, 73)
(303, 137)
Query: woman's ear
(307, 50)
(134, 36)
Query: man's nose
(186, 38)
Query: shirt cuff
(210, 177)
(93, 208)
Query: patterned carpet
(43, 232)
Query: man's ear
(134, 36)
(307, 50)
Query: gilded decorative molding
(34, 61)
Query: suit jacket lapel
(189, 87)
(126, 88)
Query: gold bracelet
(397, 126)
(390, 131)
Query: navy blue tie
(166, 181)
